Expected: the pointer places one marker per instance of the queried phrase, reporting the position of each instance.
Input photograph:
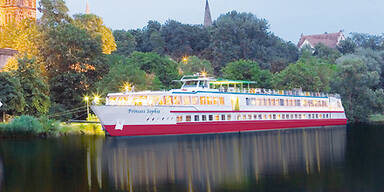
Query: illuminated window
(244, 117)
(177, 100)
(196, 117)
(195, 100)
(217, 117)
(238, 117)
(221, 100)
(215, 100)
(229, 117)
(168, 100)
(187, 100)
(179, 118)
(203, 100)
(278, 116)
(210, 117)
(269, 116)
(249, 116)
(209, 100)
(188, 118)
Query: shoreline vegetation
(29, 126)
(64, 60)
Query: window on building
(274, 116)
(204, 118)
(195, 100)
(196, 117)
(179, 118)
(186, 100)
(188, 118)
(229, 117)
(217, 117)
(210, 117)
(223, 117)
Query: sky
(288, 19)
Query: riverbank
(25, 126)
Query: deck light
(185, 59)
(96, 99)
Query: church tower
(207, 16)
(87, 10)
(16, 10)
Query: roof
(228, 81)
(328, 39)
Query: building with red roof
(331, 40)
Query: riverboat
(205, 105)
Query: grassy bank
(376, 118)
(31, 126)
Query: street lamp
(86, 99)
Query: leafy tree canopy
(96, 28)
(248, 70)
(310, 74)
(11, 94)
(194, 65)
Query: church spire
(207, 16)
(87, 11)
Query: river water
(315, 159)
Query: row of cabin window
(285, 102)
(228, 117)
(165, 100)
(192, 100)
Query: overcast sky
(287, 18)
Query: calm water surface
(321, 159)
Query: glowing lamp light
(96, 99)
(86, 98)
(203, 73)
(127, 86)
(185, 59)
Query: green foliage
(125, 70)
(11, 94)
(195, 65)
(326, 53)
(34, 88)
(164, 68)
(125, 41)
(374, 42)
(347, 46)
(244, 36)
(310, 74)
(53, 12)
(354, 82)
(248, 70)
(96, 28)
(23, 125)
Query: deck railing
(277, 92)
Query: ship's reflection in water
(215, 162)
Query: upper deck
(205, 92)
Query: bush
(24, 125)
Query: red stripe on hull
(218, 127)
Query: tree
(125, 42)
(248, 70)
(354, 82)
(327, 53)
(310, 74)
(347, 46)
(194, 65)
(96, 28)
(244, 36)
(374, 42)
(11, 94)
(54, 12)
(123, 70)
(152, 63)
(34, 87)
